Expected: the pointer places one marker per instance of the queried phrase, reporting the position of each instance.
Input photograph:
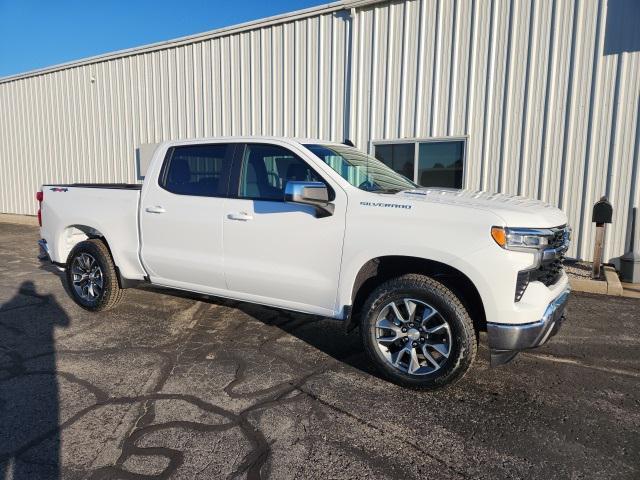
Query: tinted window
(398, 156)
(440, 164)
(266, 169)
(201, 170)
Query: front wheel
(417, 332)
(91, 276)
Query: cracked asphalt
(173, 385)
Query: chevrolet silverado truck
(322, 228)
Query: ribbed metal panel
(547, 110)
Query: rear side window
(199, 170)
(266, 169)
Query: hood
(515, 211)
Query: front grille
(550, 269)
(560, 236)
(548, 273)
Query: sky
(36, 34)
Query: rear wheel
(418, 333)
(91, 276)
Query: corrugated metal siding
(83, 123)
(548, 111)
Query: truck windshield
(361, 170)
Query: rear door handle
(240, 216)
(156, 209)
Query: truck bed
(75, 211)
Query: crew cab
(325, 229)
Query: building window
(398, 156)
(440, 164)
(430, 163)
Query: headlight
(521, 238)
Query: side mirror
(315, 194)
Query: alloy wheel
(413, 336)
(88, 279)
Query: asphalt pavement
(174, 385)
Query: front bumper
(505, 341)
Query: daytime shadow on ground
(29, 409)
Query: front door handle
(156, 209)
(240, 216)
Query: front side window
(266, 169)
(361, 170)
(198, 170)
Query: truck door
(181, 217)
(275, 252)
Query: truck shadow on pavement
(322, 333)
(29, 393)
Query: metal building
(536, 98)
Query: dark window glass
(440, 164)
(266, 169)
(398, 156)
(201, 170)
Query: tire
(451, 349)
(92, 260)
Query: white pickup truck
(322, 228)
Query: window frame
(238, 163)
(232, 147)
(416, 146)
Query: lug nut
(422, 339)
(404, 330)
(414, 344)
(405, 339)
